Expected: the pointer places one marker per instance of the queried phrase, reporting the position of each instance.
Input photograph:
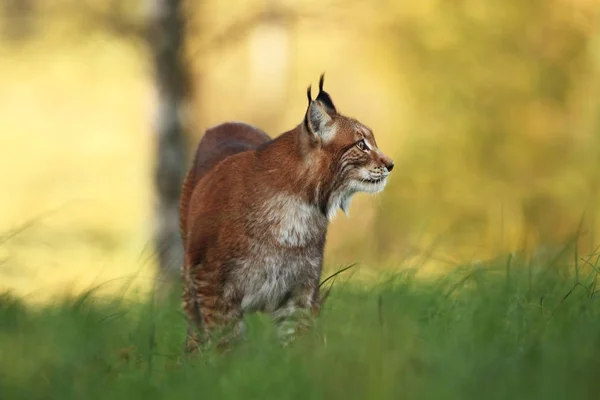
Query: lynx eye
(362, 145)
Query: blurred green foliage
(505, 143)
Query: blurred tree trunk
(166, 38)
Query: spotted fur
(254, 214)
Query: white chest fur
(290, 256)
(293, 222)
(271, 277)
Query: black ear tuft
(321, 81)
(309, 95)
(324, 97)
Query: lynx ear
(318, 122)
(324, 97)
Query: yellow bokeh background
(490, 110)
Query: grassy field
(499, 330)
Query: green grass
(490, 332)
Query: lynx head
(346, 152)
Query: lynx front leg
(296, 315)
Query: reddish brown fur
(254, 213)
(217, 144)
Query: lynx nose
(387, 162)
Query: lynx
(254, 215)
